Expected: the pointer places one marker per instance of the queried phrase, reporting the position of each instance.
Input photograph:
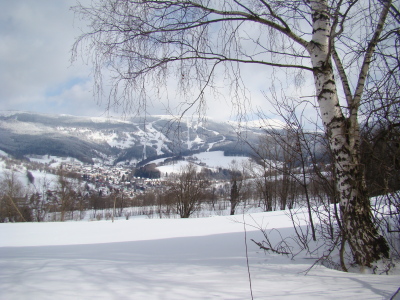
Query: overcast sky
(35, 69)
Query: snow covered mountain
(129, 141)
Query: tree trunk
(366, 244)
(234, 197)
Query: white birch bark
(343, 133)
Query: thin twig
(394, 295)
(269, 249)
(247, 257)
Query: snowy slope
(212, 160)
(176, 259)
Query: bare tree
(188, 189)
(37, 189)
(65, 195)
(14, 206)
(145, 42)
(239, 187)
(270, 189)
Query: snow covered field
(212, 160)
(203, 258)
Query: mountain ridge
(128, 141)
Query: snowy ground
(212, 160)
(203, 258)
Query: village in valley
(62, 189)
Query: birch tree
(143, 44)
